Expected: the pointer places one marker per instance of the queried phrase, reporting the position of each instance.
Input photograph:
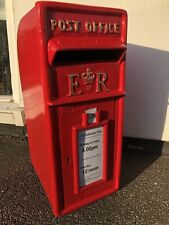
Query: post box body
(72, 66)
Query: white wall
(147, 108)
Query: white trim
(2, 10)
(5, 98)
(11, 107)
(11, 113)
(12, 43)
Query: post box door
(87, 113)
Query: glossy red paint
(56, 41)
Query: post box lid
(57, 44)
(81, 27)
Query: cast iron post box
(72, 66)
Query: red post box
(72, 66)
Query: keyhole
(68, 160)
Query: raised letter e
(73, 84)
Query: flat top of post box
(70, 6)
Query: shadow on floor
(138, 155)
